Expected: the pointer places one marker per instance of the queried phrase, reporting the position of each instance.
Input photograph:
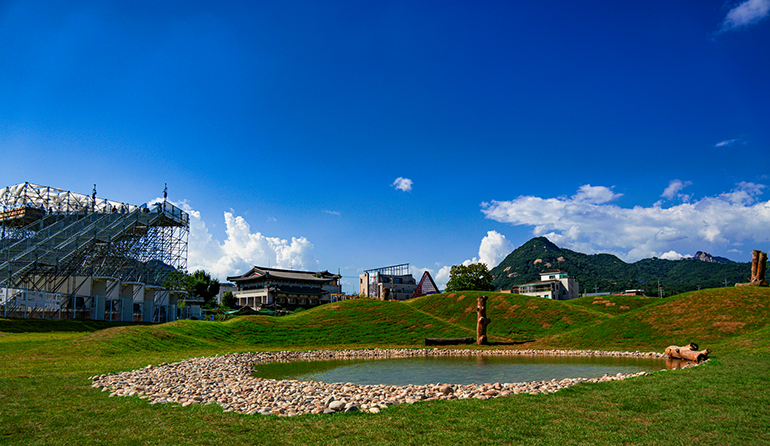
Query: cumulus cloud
(403, 184)
(673, 188)
(493, 249)
(242, 249)
(710, 223)
(745, 14)
(671, 255)
(595, 194)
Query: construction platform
(64, 254)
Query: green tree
(474, 277)
(200, 285)
(229, 300)
(176, 280)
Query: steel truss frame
(50, 234)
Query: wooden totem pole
(758, 269)
(482, 321)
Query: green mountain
(607, 273)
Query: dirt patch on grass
(161, 334)
(728, 327)
(101, 335)
(466, 312)
(547, 325)
(567, 320)
(460, 297)
(624, 307)
(680, 307)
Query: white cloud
(332, 212)
(707, 224)
(674, 187)
(671, 255)
(493, 249)
(242, 249)
(595, 194)
(730, 142)
(403, 184)
(746, 193)
(745, 14)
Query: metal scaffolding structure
(52, 240)
(393, 270)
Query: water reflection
(676, 363)
(457, 369)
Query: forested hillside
(608, 273)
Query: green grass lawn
(46, 397)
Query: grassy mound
(514, 317)
(351, 323)
(703, 317)
(612, 305)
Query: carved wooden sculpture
(688, 352)
(758, 269)
(482, 321)
(761, 270)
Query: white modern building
(553, 284)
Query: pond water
(456, 369)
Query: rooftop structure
(388, 283)
(425, 286)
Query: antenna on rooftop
(165, 191)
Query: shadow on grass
(19, 325)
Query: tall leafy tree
(474, 277)
(200, 285)
(229, 300)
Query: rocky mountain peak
(708, 258)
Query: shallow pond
(456, 369)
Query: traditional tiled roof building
(273, 288)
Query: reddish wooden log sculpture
(688, 352)
(758, 269)
(761, 270)
(481, 321)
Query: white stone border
(227, 380)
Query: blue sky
(355, 135)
